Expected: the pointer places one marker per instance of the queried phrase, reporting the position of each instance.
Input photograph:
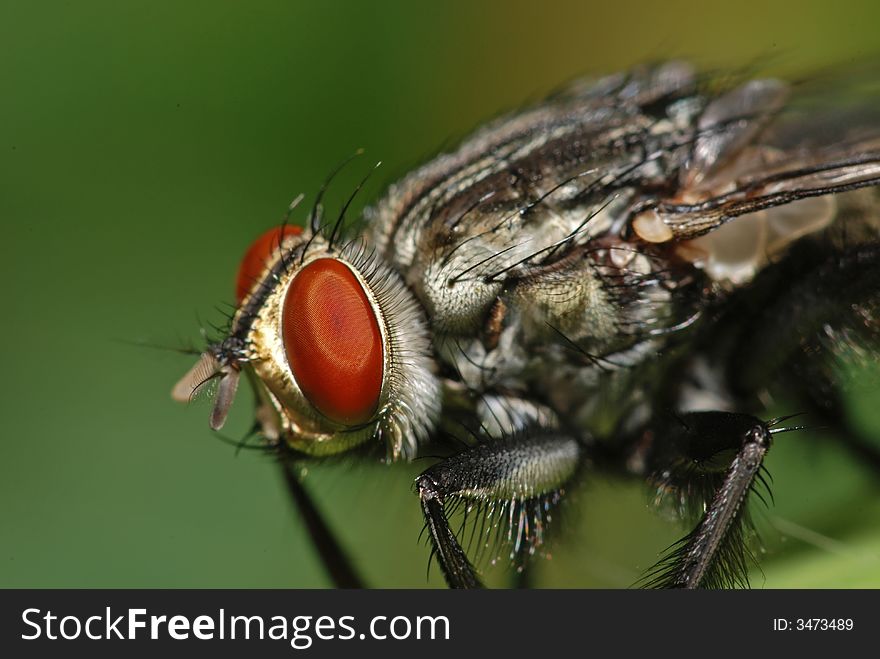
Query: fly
(609, 281)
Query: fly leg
(513, 481)
(788, 332)
(454, 563)
(336, 562)
(333, 556)
(710, 461)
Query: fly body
(610, 280)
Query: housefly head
(333, 342)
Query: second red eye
(258, 255)
(333, 343)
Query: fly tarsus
(714, 554)
(453, 561)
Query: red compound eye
(333, 343)
(257, 255)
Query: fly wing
(765, 144)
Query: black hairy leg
(788, 332)
(334, 558)
(712, 462)
(513, 482)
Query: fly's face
(334, 344)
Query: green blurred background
(143, 145)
